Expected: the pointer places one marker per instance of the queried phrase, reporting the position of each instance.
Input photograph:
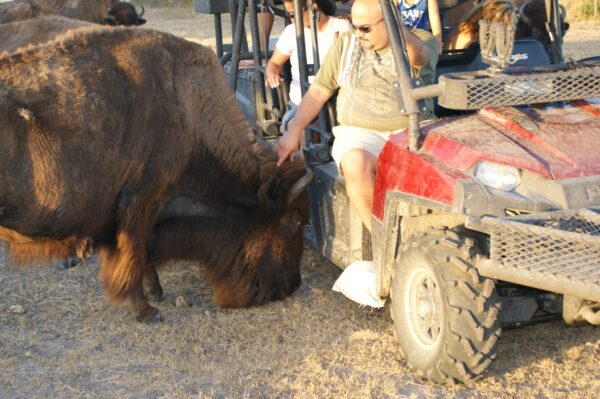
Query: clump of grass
(590, 9)
(582, 9)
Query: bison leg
(125, 262)
(28, 251)
(151, 284)
(138, 307)
(121, 275)
(81, 249)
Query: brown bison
(123, 13)
(131, 139)
(110, 12)
(36, 31)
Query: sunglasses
(366, 28)
(292, 15)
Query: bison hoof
(149, 315)
(69, 263)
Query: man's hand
(288, 145)
(273, 78)
(309, 108)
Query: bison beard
(126, 139)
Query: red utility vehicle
(485, 218)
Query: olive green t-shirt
(365, 78)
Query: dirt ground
(60, 339)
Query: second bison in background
(132, 140)
(110, 12)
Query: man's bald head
(367, 13)
(367, 8)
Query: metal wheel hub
(424, 308)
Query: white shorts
(352, 137)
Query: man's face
(369, 28)
(289, 8)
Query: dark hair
(327, 7)
(492, 11)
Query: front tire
(445, 314)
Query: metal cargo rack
(474, 90)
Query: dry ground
(317, 344)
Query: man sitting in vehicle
(360, 66)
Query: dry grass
(578, 10)
(316, 344)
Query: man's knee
(357, 162)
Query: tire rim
(423, 306)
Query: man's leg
(358, 168)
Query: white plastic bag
(358, 282)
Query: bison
(110, 12)
(36, 31)
(131, 139)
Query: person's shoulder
(289, 29)
(422, 34)
(287, 40)
(346, 34)
(340, 24)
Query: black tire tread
(473, 306)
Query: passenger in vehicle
(360, 67)
(468, 31)
(422, 14)
(328, 29)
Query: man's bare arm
(416, 49)
(312, 102)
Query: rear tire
(445, 314)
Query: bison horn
(300, 185)
(141, 14)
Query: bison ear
(141, 21)
(109, 21)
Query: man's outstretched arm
(312, 102)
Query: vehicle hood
(554, 141)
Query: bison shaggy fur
(111, 12)
(132, 140)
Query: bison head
(268, 265)
(249, 257)
(270, 256)
(123, 13)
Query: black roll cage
(411, 94)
